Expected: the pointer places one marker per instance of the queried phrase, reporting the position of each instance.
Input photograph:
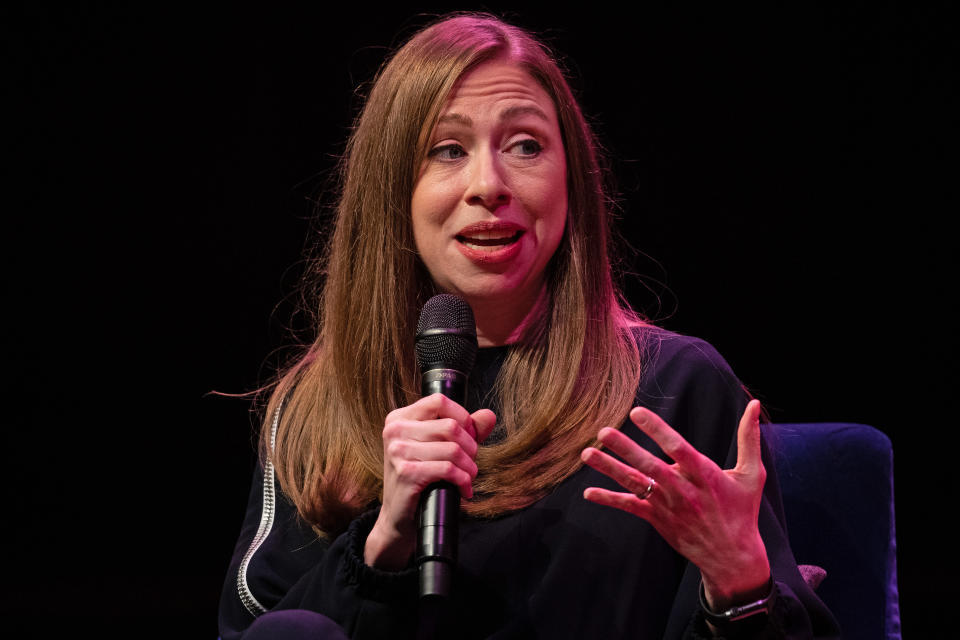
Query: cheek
(430, 209)
(553, 212)
(557, 224)
(432, 203)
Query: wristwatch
(726, 619)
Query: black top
(561, 568)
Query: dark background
(786, 177)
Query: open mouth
(490, 240)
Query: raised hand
(706, 513)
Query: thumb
(748, 441)
(484, 421)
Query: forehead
(498, 85)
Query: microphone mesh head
(446, 334)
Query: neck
(500, 324)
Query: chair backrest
(837, 486)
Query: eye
(527, 147)
(447, 152)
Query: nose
(488, 181)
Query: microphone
(446, 346)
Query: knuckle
(396, 448)
(449, 428)
(451, 450)
(436, 401)
(635, 480)
(390, 429)
(673, 448)
(463, 461)
(405, 468)
(448, 469)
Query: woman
(472, 171)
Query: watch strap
(732, 615)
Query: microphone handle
(439, 511)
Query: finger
(671, 442)
(400, 452)
(440, 430)
(433, 406)
(418, 464)
(421, 474)
(484, 421)
(635, 455)
(626, 476)
(618, 500)
(438, 405)
(748, 440)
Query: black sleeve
(686, 382)
(694, 389)
(279, 562)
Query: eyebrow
(507, 114)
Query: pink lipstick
(490, 242)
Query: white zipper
(266, 523)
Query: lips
(489, 242)
(490, 234)
(489, 239)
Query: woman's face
(490, 203)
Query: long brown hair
(574, 370)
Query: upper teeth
(490, 235)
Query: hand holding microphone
(433, 440)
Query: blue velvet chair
(837, 485)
